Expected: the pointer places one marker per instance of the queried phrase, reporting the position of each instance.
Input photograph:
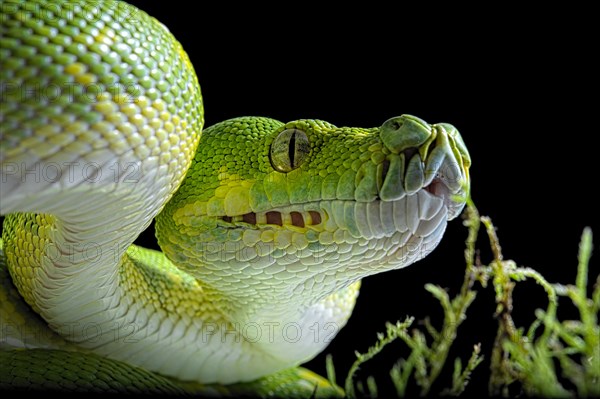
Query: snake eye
(289, 149)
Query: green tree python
(266, 228)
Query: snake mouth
(451, 195)
(439, 189)
(316, 214)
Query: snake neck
(78, 246)
(101, 294)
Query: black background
(516, 83)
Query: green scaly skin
(263, 223)
(65, 370)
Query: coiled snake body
(266, 228)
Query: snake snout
(424, 156)
(403, 132)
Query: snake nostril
(402, 132)
(395, 124)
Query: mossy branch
(518, 360)
(393, 331)
(529, 360)
(460, 377)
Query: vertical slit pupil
(292, 148)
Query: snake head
(310, 207)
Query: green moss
(550, 358)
